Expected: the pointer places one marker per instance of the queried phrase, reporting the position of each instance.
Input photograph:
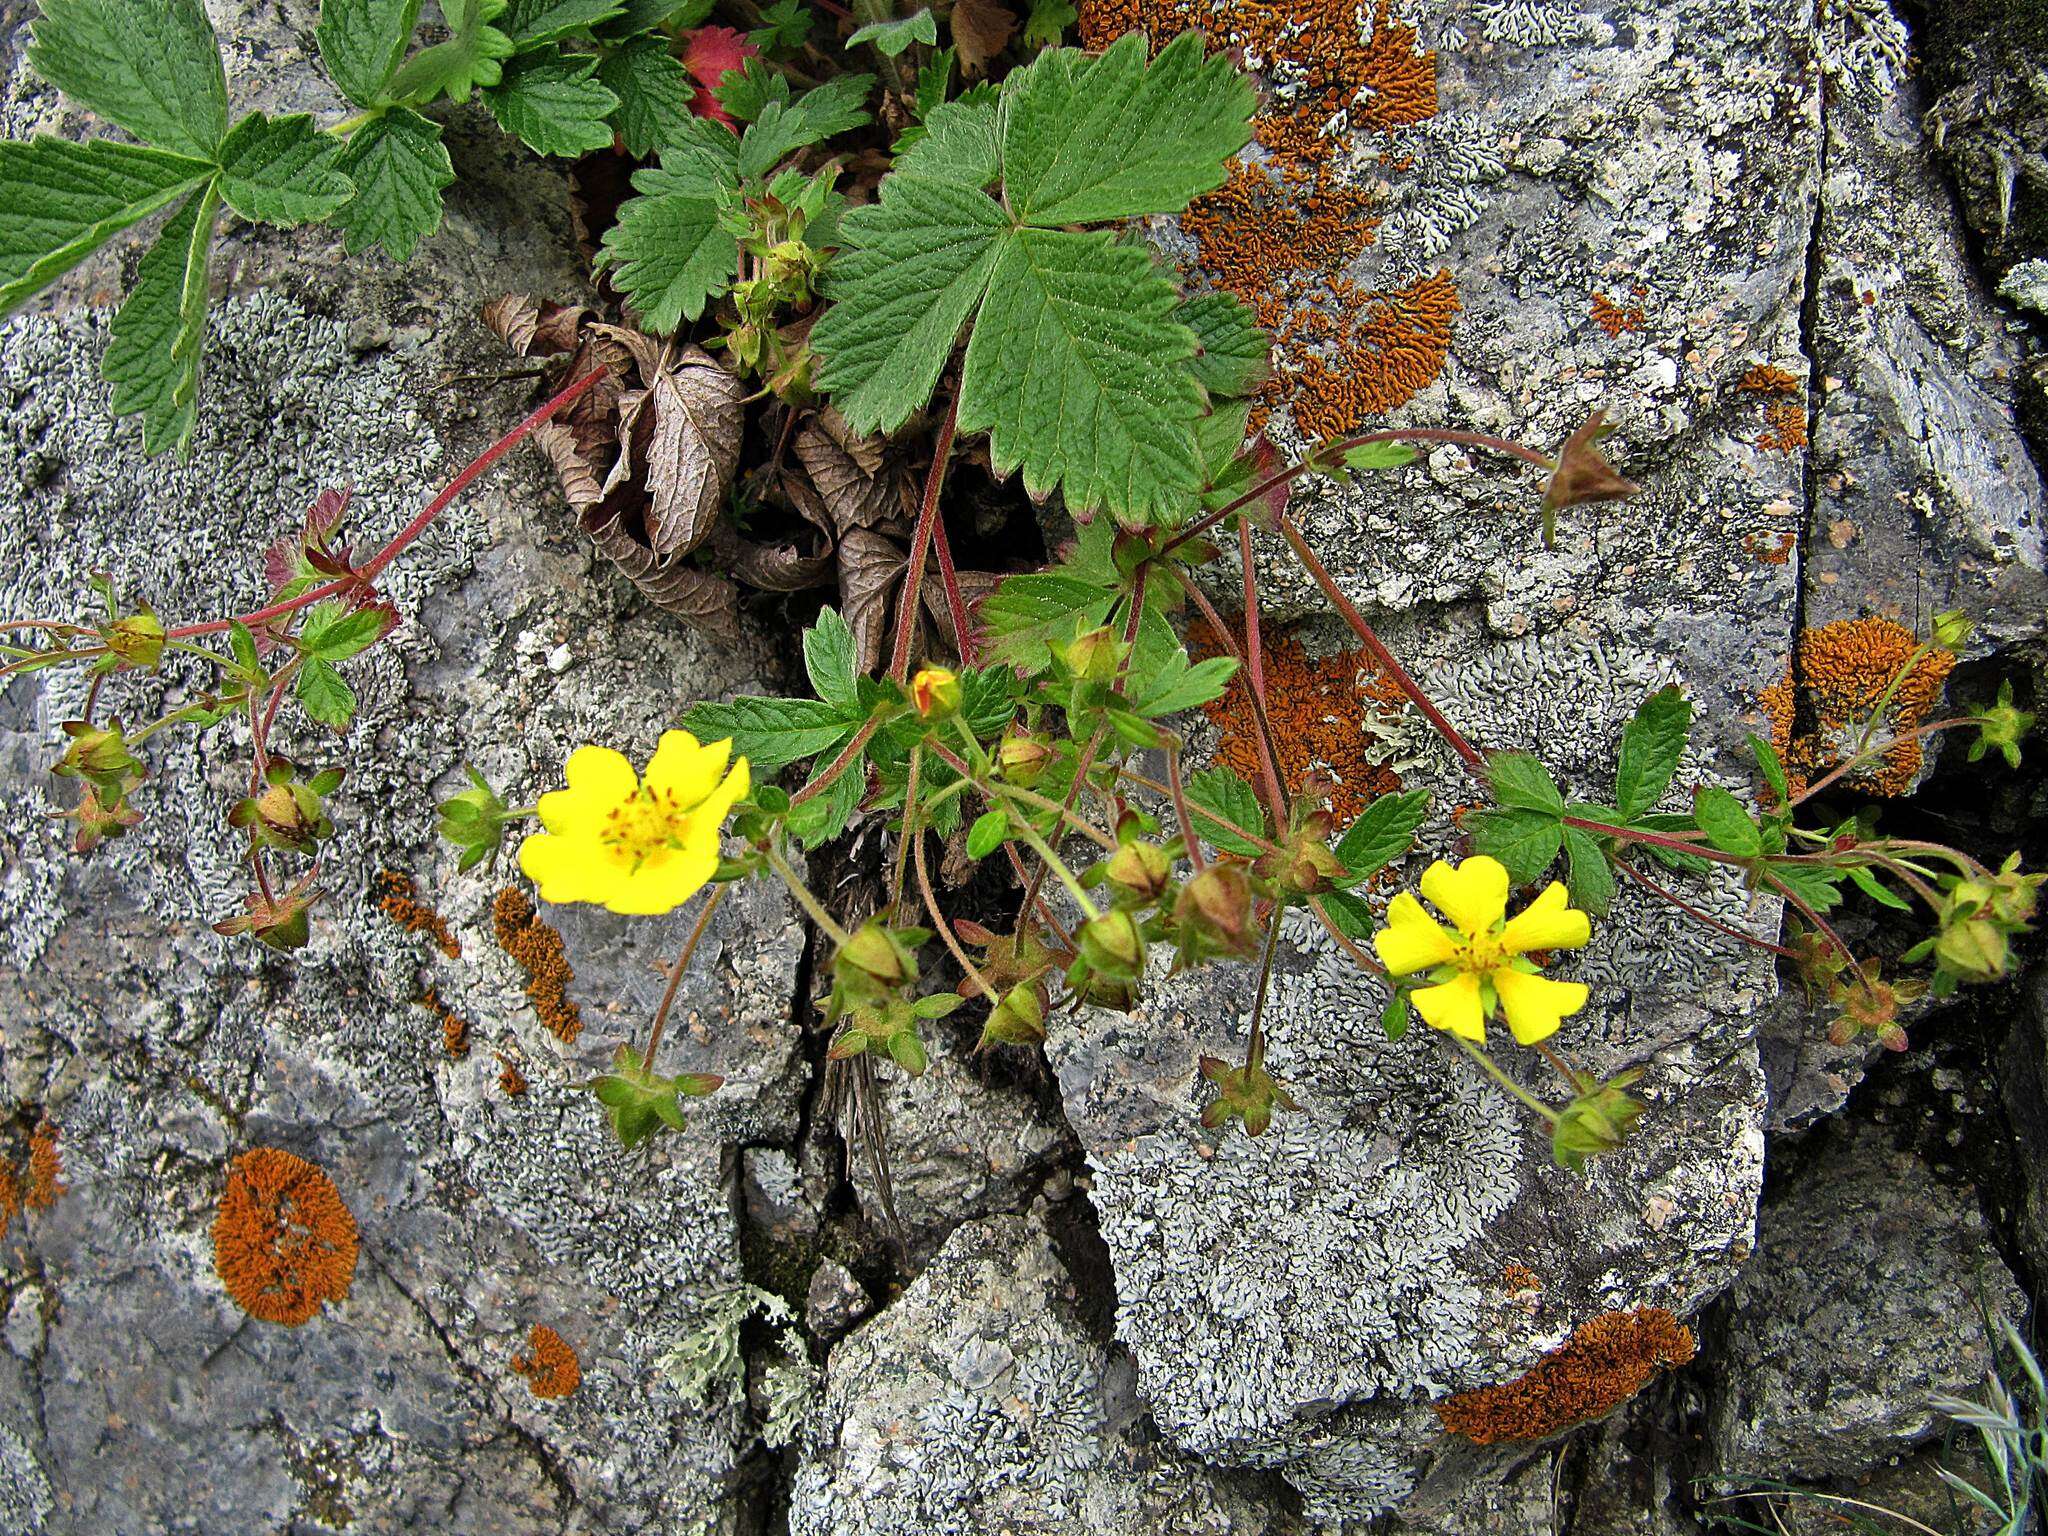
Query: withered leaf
(699, 599)
(578, 479)
(646, 351)
(772, 567)
(870, 566)
(864, 451)
(981, 30)
(534, 327)
(693, 451)
(855, 497)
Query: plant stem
(910, 825)
(1849, 763)
(675, 974)
(1255, 1047)
(921, 543)
(1504, 1080)
(1366, 962)
(1180, 807)
(1268, 744)
(1059, 868)
(412, 530)
(1144, 781)
(1255, 664)
(838, 765)
(1690, 910)
(931, 906)
(1474, 760)
(805, 899)
(1070, 818)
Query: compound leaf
(668, 249)
(282, 170)
(152, 66)
(893, 36)
(362, 43)
(1524, 841)
(64, 200)
(474, 55)
(553, 103)
(152, 358)
(399, 166)
(654, 93)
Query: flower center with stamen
(645, 825)
(1482, 953)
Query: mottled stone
(835, 1301)
(980, 1403)
(1868, 1294)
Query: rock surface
(1869, 1293)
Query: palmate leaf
(64, 200)
(553, 103)
(473, 55)
(282, 170)
(152, 359)
(152, 66)
(399, 167)
(1078, 367)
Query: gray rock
(1869, 1292)
(1987, 62)
(980, 1403)
(835, 1302)
(145, 1399)
(2024, 1084)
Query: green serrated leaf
(1078, 372)
(151, 66)
(769, 733)
(553, 103)
(1773, 768)
(959, 146)
(1588, 875)
(1651, 746)
(64, 200)
(654, 93)
(1815, 884)
(159, 334)
(987, 834)
(282, 170)
(1086, 141)
(362, 43)
(1726, 821)
(644, 15)
(1162, 682)
(1233, 354)
(892, 37)
(1382, 455)
(1351, 915)
(530, 23)
(1525, 841)
(1048, 22)
(825, 815)
(1221, 793)
(334, 632)
(1521, 782)
(1383, 832)
(934, 79)
(399, 166)
(1876, 890)
(1218, 437)
(323, 694)
(779, 130)
(669, 252)
(787, 27)
(473, 56)
(1026, 615)
(829, 652)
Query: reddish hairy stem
(411, 530)
(1255, 664)
(1678, 901)
(838, 765)
(927, 518)
(1269, 749)
(1850, 762)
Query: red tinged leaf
(709, 54)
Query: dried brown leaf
(864, 451)
(533, 327)
(692, 452)
(870, 567)
(646, 351)
(633, 422)
(855, 497)
(578, 479)
(772, 567)
(981, 30)
(698, 598)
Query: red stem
(927, 518)
(411, 530)
(1255, 664)
(1690, 910)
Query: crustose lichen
(283, 1242)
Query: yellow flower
(1480, 966)
(936, 692)
(639, 847)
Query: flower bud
(1595, 1122)
(1018, 1018)
(1213, 916)
(1024, 758)
(1974, 949)
(1952, 629)
(99, 755)
(875, 956)
(1093, 656)
(1139, 873)
(2001, 726)
(1112, 946)
(1304, 865)
(137, 640)
(935, 692)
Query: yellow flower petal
(1412, 939)
(686, 769)
(1474, 895)
(1548, 922)
(662, 885)
(566, 868)
(1454, 1005)
(1535, 1005)
(598, 780)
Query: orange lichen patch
(283, 1242)
(1520, 1277)
(1770, 548)
(454, 1027)
(550, 1365)
(1613, 318)
(538, 949)
(45, 1168)
(10, 1197)
(1786, 430)
(399, 899)
(1825, 703)
(1606, 1361)
(1284, 227)
(510, 1079)
(1769, 379)
(1321, 710)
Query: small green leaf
(362, 43)
(654, 93)
(937, 1005)
(1223, 794)
(151, 66)
(1875, 889)
(1588, 876)
(1773, 768)
(1651, 746)
(324, 695)
(1352, 917)
(1026, 615)
(1525, 841)
(152, 358)
(243, 644)
(788, 25)
(892, 37)
(529, 23)
(934, 79)
(669, 252)
(1726, 821)
(1162, 682)
(907, 1051)
(282, 170)
(65, 200)
(1384, 455)
(473, 55)
(645, 15)
(1815, 884)
(987, 833)
(1233, 354)
(769, 733)
(399, 166)
(1383, 832)
(334, 632)
(1520, 782)
(825, 815)
(1395, 1017)
(553, 103)
(828, 660)
(1048, 21)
